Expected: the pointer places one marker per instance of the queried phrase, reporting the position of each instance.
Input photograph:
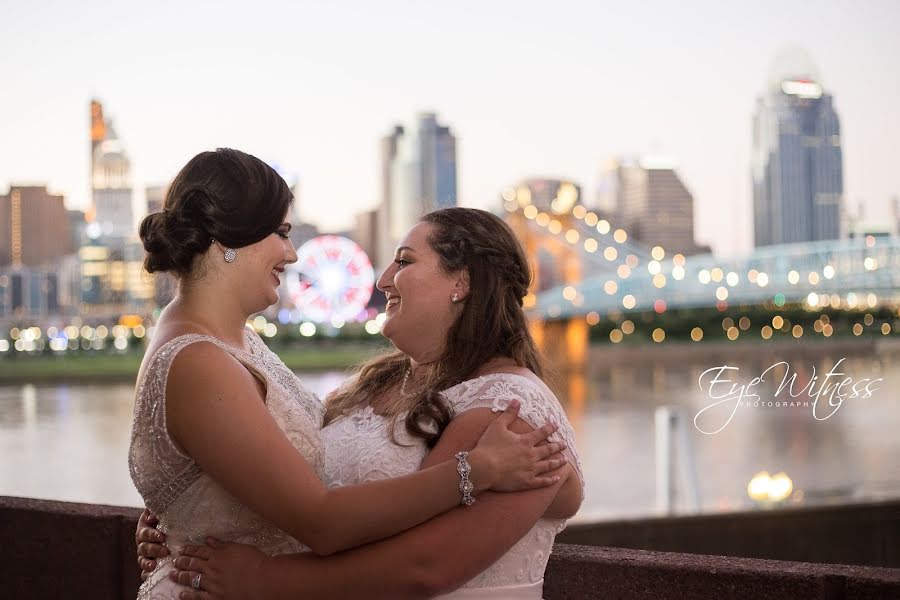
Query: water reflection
(851, 455)
(70, 441)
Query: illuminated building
(110, 179)
(37, 294)
(113, 281)
(647, 199)
(112, 278)
(797, 164)
(34, 227)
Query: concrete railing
(866, 534)
(51, 550)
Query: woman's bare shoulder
(203, 355)
(164, 331)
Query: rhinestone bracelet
(465, 484)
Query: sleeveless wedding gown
(188, 503)
(354, 449)
(358, 448)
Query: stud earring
(454, 298)
(230, 255)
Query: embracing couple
(406, 482)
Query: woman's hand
(227, 571)
(150, 543)
(505, 461)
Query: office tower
(419, 164)
(797, 164)
(34, 227)
(110, 179)
(647, 199)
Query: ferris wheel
(332, 279)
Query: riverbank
(124, 367)
(105, 366)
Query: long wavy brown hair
(492, 324)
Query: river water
(69, 441)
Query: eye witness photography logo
(823, 395)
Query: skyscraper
(647, 199)
(110, 178)
(34, 227)
(420, 167)
(797, 164)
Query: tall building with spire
(110, 179)
(112, 280)
(797, 163)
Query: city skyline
(528, 93)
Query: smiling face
(419, 292)
(257, 269)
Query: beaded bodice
(358, 448)
(189, 503)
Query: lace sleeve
(538, 405)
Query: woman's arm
(215, 412)
(432, 558)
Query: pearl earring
(454, 298)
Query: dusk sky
(529, 89)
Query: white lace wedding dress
(189, 504)
(358, 448)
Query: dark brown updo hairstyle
(492, 323)
(227, 195)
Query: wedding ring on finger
(195, 581)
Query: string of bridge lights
(778, 325)
(705, 276)
(678, 272)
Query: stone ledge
(54, 549)
(576, 572)
(863, 533)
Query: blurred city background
(696, 185)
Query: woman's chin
(387, 332)
(264, 303)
